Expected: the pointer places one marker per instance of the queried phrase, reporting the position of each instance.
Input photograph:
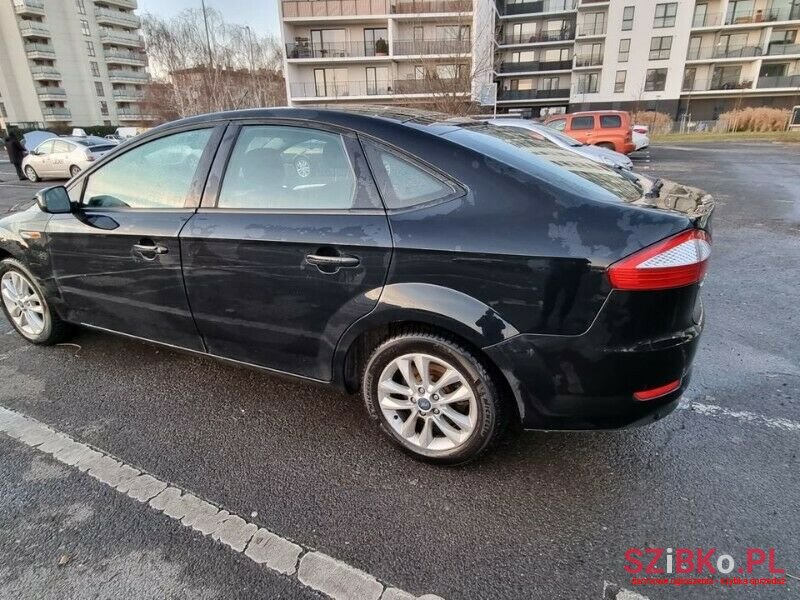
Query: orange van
(611, 129)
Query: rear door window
(275, 167)
(62, 147)
(610, 121)
(402, 183)
(582, 123)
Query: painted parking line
(311, 568)
(744, 416)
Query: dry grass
(761, 119)
(660, 123)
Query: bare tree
(193, 74)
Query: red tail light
(674, 262)
(640, 130)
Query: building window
(419, 72)
(90, 47)
(624, 50)
(660, 47)
(104, 108)
(587, 84)
(655, 80)
(377, 80)
(98, 86)
(665, 15)
(81, 7)
(627, 18)
(85, 27)
(619, 82)
(688, 79)
(95, 68)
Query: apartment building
(71, 62)
(686, 56)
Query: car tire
(74, 171)
(459, 432)
(52, 329)
(606, 145)
(31, 174)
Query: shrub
(658, 122)
(760, 119)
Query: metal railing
(58, 112)
(716, 84)
(561, 35)
(111, 35)
(585, 30)
(333, 8)
(105, 15)
(532, 94)
(34, 28)
(588, 60)
(112, 55)
(783, 49)
(538, 6)
(335, 49)
(535, 65)
(411, 7)
(39, 48)
(708, 52)
(769, 15)
(127, 75)
(29, 6)
(123, 3)
(430, 86)
(426, 47)
(45, 72)
(128, 95)
(347, 89)
(779, 81)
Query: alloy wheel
(30, 173)
(74, 171)
(23, 303)
(428, 402)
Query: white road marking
(313, 569)
(712, 410)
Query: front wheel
(31, 174)
(26, 307)
(433, 398)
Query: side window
(582, 123)
(558, 124)
(610, 121)
(62, 147)
(157, 174)
(45, 147)
(402, 183)
(294, 168)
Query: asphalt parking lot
(547, 516)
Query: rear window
(583, 123)
(104, 148)
(557, 124)
(610, 121)
(518, 139)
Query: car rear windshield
(517, 139)
(610, 121)
(102, 148)
(89, 141)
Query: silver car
(562, 140)
(64, 157)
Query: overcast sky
(261, 15)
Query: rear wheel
(26, 307)
(31, 174)
(606, 145)
(74, 171)
(433, 398)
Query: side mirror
(54, 200)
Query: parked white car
(562, 140)
(64, 157)
(641, 136)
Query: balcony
(420, 7)
(55, 94)
(779, 81)
(591, 30)
(125, 57)
(588, 60)
(540, 37)
(782, 49)
(534, 66)
(301, 9)
(128, 96)
(715, 52)
(431, 47)
(121, 76)
(45, 73)
(356, 89)
(431, 86)
(297, 50)
(29, 7)
(717, 84)
(131, 4)
(128, 114)
(757, 17)
(538, 7)
(121, 38)
(117, 17)
(34, 29)
(516, 95)
(56, 113)
(44, 51)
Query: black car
(462, 276)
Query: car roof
(598, 112)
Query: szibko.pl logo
(702, 566)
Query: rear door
(116, 258)
(290, 247)
(583, 128)
(59, 159)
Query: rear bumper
(628, 147)
(587, 382)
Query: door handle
(344, 262)
(150, 248)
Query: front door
(289, 248)
(116, 259)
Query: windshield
(563, 137)
(526, 140)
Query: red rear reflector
(654, 393)
(674, 262)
